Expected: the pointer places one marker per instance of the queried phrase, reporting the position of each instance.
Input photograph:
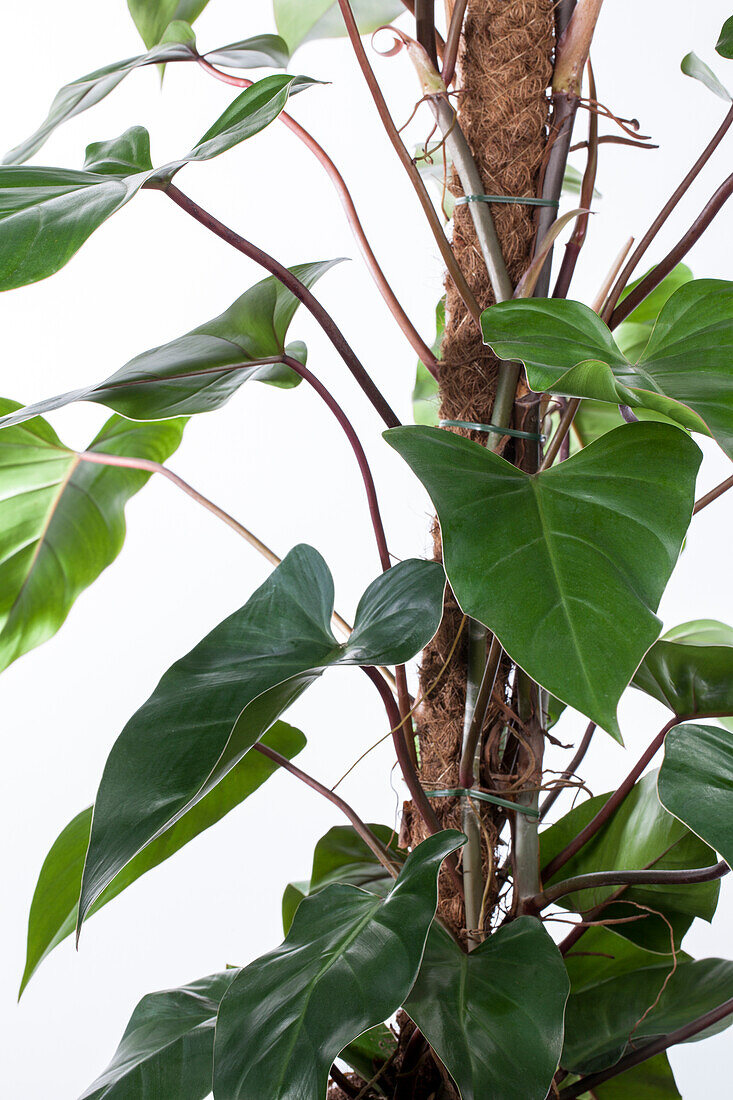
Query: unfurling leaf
(640, 834)
(62, 519)
(494, 1016)
(179, 45)
(301, 21)
(200, 371)
(348, 963)
(425, 393)
(695, 67)
(55, 904)
(690, 670)
(566, 567)
(46, 214)
(167, 1048)
(696, 783)
(685, 371)
(217, 701)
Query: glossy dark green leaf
(567, 567)
(83, 93)
(425, 393)
(684, 372)
(167, 1048)
(725, 42)
(640, 834)
(62, 521)
(54, 908)
(200, 371)
(367, 1054)
(301, 21)
(615, 1008)
(690, 670)
(153, 17)
(293, 894)
(694, 66)
(348, 962)
(696, 783)
(46, 214)
(652, 1080)
(495, 1017)
(218, 700)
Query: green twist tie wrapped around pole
(471, 426)
(525, 200)
(482, 796)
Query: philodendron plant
(422, 964)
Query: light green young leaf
(632, 335)
(153, 17)
(725, 42)
(640, 834)
(55, 904)
(200, 371)
(425, 392)
(167, 1047)
(567, 567)
(46, 214)
(690, 670)
(62, 520)
(695, 67)
(685, 371)
(696, 783)
(218, 700)
(495, 1016)
(300, 21)
(81, 94)
(652, 1080)
(348, 962)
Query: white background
(278, 462)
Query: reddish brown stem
(407, 162)
(678, 253)
(360, 828)
(361, 458)
(600, 879)
(571, 770)
(409, 773)
(636, 1057)
(712, 495)
(301, 292)
(664, 214)
(453, 41)
(577, 240)
(416, 342)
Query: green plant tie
(471, 426)
(470, 792)
(526, 200)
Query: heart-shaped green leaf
(200, 371)
(684, 372)
(167, 1047)
(83, 93)
(640, 834)
(566, 567)
(218, 700)
(55, 904)
(153, 17)
(725, 41)
(46, 214)
(694, 66)
(301, 21)
(62, 520)
(696, 783)
(494, 1017)
(616, 1007)
(690, 670)
(348, 962)
(632, 335)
